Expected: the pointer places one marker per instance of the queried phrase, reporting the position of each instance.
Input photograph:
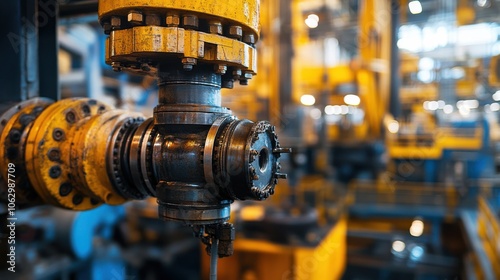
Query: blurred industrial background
(391, 108)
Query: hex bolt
(282, 151)
(236, 32)
(253, 155)
(15, 136)
(249, 38)
(280, 176)
(227, 84)
(107, 28)
(145, 67)
(153, 20)
(37, 110)
(135, 17)
(220, 69)
(26, 119)
(77, 199)
(55, 171)
(116, 22)
(86, 110)
(215, 27)
(70, 117)
(188, 63)
(190, 21)
(58, 134)
(117, 66)
(172, 20)
(245, 77)
(65, 189)
(54, 154)
(237, 74)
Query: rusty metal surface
(240, 12)
(15, 125)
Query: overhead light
(315, 113)
(330, 110)
(417, 252)
(448, 109)
(495, 107)
(312, 21)
(307, 100)
(483, 3)
(352, 100)
(344, 110)
(415, 7)
(398, 246)
(441, 104)
(393, 126)
(417, 228)
(496, 96)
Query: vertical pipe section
(48, 49)
(394, 102)
(213, 258)
(285, 55)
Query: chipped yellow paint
(241, 12)
(125, 45)
(40, 141)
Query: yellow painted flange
(151, 41)
(89, 154)
(18, 120)
(54, 130)
(241, 12)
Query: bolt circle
(77, 199)
(58, 134)
(65, 189)
(70, 117)
(55, 171)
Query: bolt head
(135, 17)
(216, 27)
(220, 69)
(237, 73)
(249, 38)
(172, 20)
(116, 22)
(107, 28)
(247, 75)
(235, 31)
(190, 21)
(153, 20)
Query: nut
(190, 21)
(249, 38)
(227, 84)
(216, 27)
(117, 67)
(235, 31)
(135, 17)
(188, 63)
(153, 20)
(116, 22)
(172, 20)
(236, 74)
(107, 28)
(220, 69)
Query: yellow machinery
(193, 155)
